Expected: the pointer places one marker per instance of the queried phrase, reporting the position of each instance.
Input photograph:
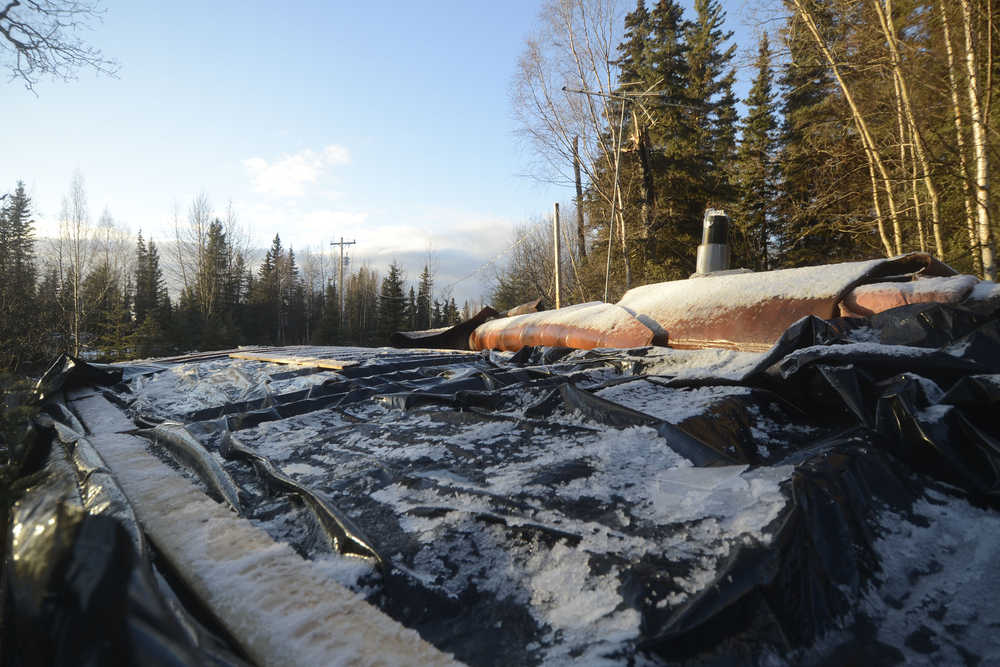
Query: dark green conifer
(756, 170)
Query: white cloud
(289, 175)
(336, 155)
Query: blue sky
(387, 122)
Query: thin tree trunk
(581, 237)
(970, 216)
(979, 149)
(885, 18)
(874, 159)
(914, 191)
(625, 257)
(878, 211)
(917, 214)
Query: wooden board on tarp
(279, 607)
(312, 362)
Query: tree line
(868, 130)
(101, 293)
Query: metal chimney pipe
(713, 253)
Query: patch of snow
(986, 290)
(937, 592)
(301, 469)
(701, 364)
(850, 349)
(747, 500)
(673, 405)
(698, 299)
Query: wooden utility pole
(555, 244)
(342, 243)
(646, 171)
(581, 238)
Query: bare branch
(39, 38)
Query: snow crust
(985, 290)
(938, 590)
(697, 299)
(671, 405)
(701, 364)
(184, 388)
(945, 289)
(934, 600)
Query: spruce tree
(17, 280)
(756, 172)
(677, 163)
(156, 288)
(811, 131)
(411, 311)
(633, 59)
(710, 90)
(143, 303)
(451, 315)
(391, 304)
(424, 289)
(293, 301)
(266, 297)
(436, 320)
(328, 329)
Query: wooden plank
(280, 608)
(314, 362)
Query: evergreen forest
(868, 130)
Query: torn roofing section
(750, 311)
(734, 310)
(584, 327)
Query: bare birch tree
(39, 38)
(875, 163)
(562, 98)
(74, 250)
(979, 144)
(903, 88)
(957, 116)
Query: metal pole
(555, 244)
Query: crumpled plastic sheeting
(449, 338)
(532, 508)
(77, 590)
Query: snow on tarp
(749, 311)
(518, 523)
(583, 326)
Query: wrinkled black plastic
(606, 412)
(866, 429)
(68, 372)
(448, 338)
(782, 595)
(187, 450)
(343, 535)
(78, 592)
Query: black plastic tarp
(560, 506)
